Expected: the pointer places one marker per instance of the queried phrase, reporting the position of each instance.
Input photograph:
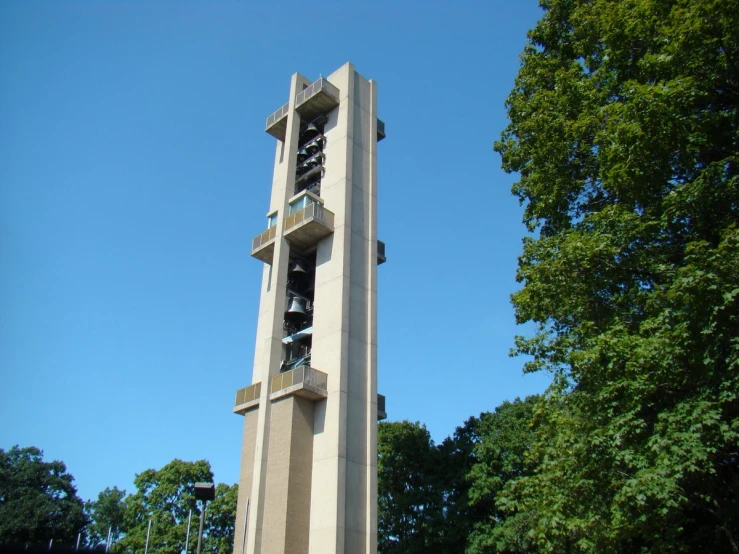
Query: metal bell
(297, 271)
(296, 310)
(313, 147)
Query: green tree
(38, 501)
(220, 520)
(106, 513)
(165, 497)
(623, 128)
(505, 438)
(454, 461)
(409, 495)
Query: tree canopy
(166, 497)
(106, 513)
(408, 498)
(38, 504)
(623, 129)
(38, 500)
(443, 497)
(500, 457)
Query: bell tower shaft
(308, 480)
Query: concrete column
(268, 349)
(287, 510)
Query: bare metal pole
(107, 541)
(51, 541)
(243, 535)
(202, 518)
(79, 536)
(146, 548)
(187, 538)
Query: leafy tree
(443, 498)
(220, 520)
(165, 496)
(409, 496)
(105, 513)
(505, 437)
(623, 128)
(38, 501)
(455, 458)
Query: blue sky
(135, 170)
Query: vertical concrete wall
(246, 474)
(344, 343)
(268, 349)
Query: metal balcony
(308, 226)
(381, 413)
(277, 123)
(380, 130)
(263, 245)
(247, 398)
(320, 97)
(303, 381)
(381, 259)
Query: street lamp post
(203, 492)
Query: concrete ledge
(301, 389)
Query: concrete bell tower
(308, 480)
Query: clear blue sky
(135, 170)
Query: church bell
(296, 310)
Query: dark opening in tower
(298, 321)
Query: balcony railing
(263, 245)
(277, 122)
(247, 398)
(315, 212)
(302, 381)
(316, 99)
(306, 227)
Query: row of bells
(297, 310)
(310, 149)
(314, 145)
(312, 161)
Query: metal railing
(314, 88)
(313, 211)
(279, 114)
(304, 374)
(248, 394)
(310, 173)
(263, 238)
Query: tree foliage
(166, 497)
(409, 500)
(443, 497)
(106, 513)
(500, 457)
(220, 520)
(623, 128)
(38, 500)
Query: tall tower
(308, 481)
